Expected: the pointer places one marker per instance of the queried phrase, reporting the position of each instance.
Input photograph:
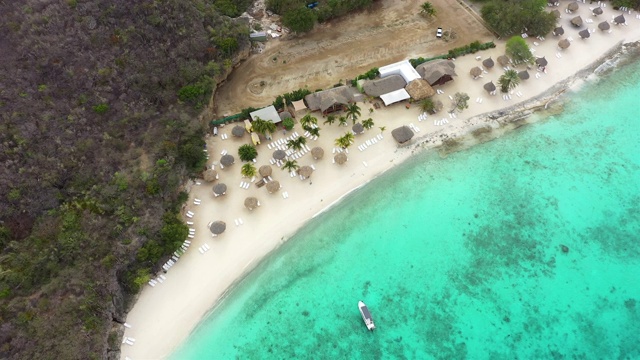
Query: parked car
(439, 33)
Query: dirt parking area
(391, 31)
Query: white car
(439, 33)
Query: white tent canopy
(402, 68)
(394, 96)
(299, 105)
(268, 113)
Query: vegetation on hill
(517, 17)
(297, 16)
(98, 131)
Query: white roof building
(402, 68)
(394, 96)
(268, 113)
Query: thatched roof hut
(402, 134)
(488, 63)
(273, 186)
(357, 128)
(619, 19)
(265, 170)
(437, 106)
(279, 154)
(285, 115)
(227, 160)
(237, 131)
(317, 153)
(558, 31)
(419, 89)
(330, 99)
(573, 7)
(523, 75)
(217, 227)
(576, 21)
(503, 60)
(251, 203)
(490, 87)
(305, 171)
(604, 26)
(219, 189)
(584, 34)
(340, 158)
(475, 72)
(437, 72)
(541, 61)
(556, 13)
(210, 175)
(385, 85)
(597, 11)
(564, 43)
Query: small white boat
(366, 315)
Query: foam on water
(523, 247)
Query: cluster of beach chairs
(238, 221)
(370, 142)
(224, 136)
(422, 117)
(308, 135)
(285, 195)
(298, 154)
(339, 150)
(281, 144)
(414, 128)
(438, 91)
(245, 185)
(206, 152)
(479, 100)
(440, 122)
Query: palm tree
(314, 132)
(368, 124)
(353, 111)
(427, 105)
(297, 143)
(342, 121)
(382, 129)
(263, 127)
(330, 119)
(509, 81)
(248, 170)
(307, 121)
(345, 140)
(427, 9)
(290, 165)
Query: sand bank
(164, 315)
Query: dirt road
(392, 30)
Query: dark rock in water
(565, 249)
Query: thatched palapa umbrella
(556, 13)
(358, 128)
(210, 175)
(503, 60)
(490, 87)
(597, 11)
(564, 43)
(541, 62)
(437, 106)
(217, 227)
(584, 34)
(558, 31)
(340, 158)
(219, 189)
(305, 171)
(475, 72)
(576, 21)
(285, 114)
(619, 19)
(273, 186)
(251, 203)
(279, 154)
(488, 63)
(419, 89)
(265, 170)
(573, 7)
(523, 75)
(317, 153)
(227, 160)
(402, 134)
(237, 131)
(604, 26)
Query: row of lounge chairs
(238, 221)
(372, 141)
(245, 185)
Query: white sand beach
(165, 314)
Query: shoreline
(158, 308)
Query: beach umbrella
(305, 171)
(402, 134)
(584, 34)
(523, 75)
(357, 128)
(573, 7)
(251, 203)
(210, 175)
(279, 154)
(541, 62)
(576, 21)
(340, 158)
(488, 63)
(563, 44)
(597, 11)
(475, 72)
(265, 170)
(558, 31)
(437, 106)
(619, 19)
(217, 227)
(490, 87)
(219, 189)
(317, 153)
(604, 26)
(285, 114)
(273, 186)
(237, 131)
(227, 160)
(556, 13)
(503, 60)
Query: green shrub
(101, 108)
(288, 123)
(247, 152)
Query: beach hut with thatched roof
(437, 72)
(402, 134)
(317, 152)
(357, 128)
(210, 175)
(384, 85)
(488, 63)
(604, 26)
(227, 160)
(305, 171)
(219, 189)
(564, 43)
(265, 170)
(490, 87)
(584, 34)
(597, 11)
(619, 19)
(576, 21)
(419, 89)
(217, 227)
(523, 75)
(238, 131)
(251, 203)
(556, 13)
(503, 60)
(279, 154)
(573, 6)
(541, 62)
(273, 186)
(330, 100)
(558, 31)
(340, 158)
(475, 72)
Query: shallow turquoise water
(461, 257)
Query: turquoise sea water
(461, 257)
